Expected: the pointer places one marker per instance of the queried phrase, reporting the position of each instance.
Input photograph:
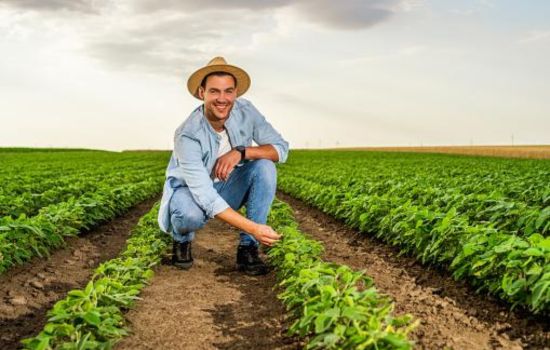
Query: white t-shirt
(225, 146)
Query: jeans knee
(187, 223)
(265, 172)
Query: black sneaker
(181, 255)
(249, 262)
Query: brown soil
(28, 292)
(452, 315)
(211, 305)
(538, 152)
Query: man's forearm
(262, 233)
(235, 219)
(262, 152)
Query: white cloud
(168, 37)
(349, 14)
(83, 6)
(535, 36)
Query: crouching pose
(214, 170)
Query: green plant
(336, 307)
(486, 220)
(92, 318)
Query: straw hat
(218, 64)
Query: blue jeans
(253, 184)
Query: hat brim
(243, 79)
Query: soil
(211, 305)
(28, 292)
(452, 314)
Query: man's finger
(216, 169)
(224, 173)
(273, 235)
(269, 240)
(267, 243)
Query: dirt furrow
(28, 291)
(452, 314)
(210, 306)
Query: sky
(112, 74)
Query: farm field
(486, 220)
(48, 195)
(536, 152)
(401, 250)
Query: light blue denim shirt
(195, 152)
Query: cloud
(406, 51)
(349, 14)
(142, 54)
(169, 43)
(172, 36)
(535, 36)
(84, 6)
(192, 6)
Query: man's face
(218, 95)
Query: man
(214, 170)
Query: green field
(46, 196)
(485, 219)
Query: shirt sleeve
(189, 158)
(265, 134)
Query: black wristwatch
(241, 149)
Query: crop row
(515, 268)
(490, 209)
(92, 318)
(435, 190)
(35, 173)
(69, 186)
(524, 181)
(23, 238)
(332, 305)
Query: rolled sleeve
(282, 152)
(265, 134)
(189, 158)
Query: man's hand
(266, 235)
(225, 164)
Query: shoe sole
(183, 265)
(244, 269)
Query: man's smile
(221, 107)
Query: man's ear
(201, 92)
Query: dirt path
(452, 314)
(28, 291)
(210, 306)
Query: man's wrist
(242, 151)
(252, 227)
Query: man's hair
(218, 74)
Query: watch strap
(242, 150)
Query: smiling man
(214, 170)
